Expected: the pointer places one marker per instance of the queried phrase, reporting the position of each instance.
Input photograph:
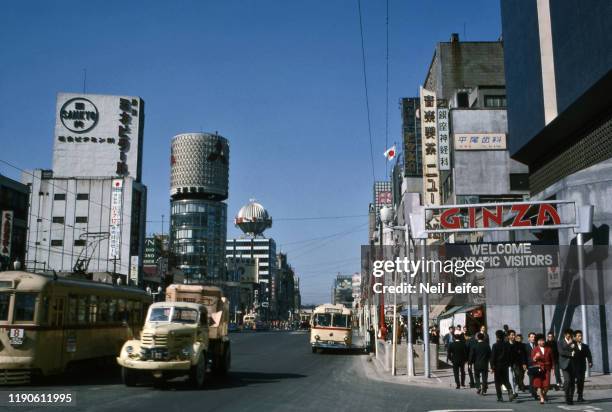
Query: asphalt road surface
(276, 371)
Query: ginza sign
(482, 217)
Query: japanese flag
(390, 153)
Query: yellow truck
(174, 342)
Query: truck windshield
(322, 319)
(340, 321)
(183, 315)
(5, 298)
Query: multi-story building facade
(88, 214)
(559, 77)
(14, 221)
(198, 222)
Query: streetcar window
(322, 319)
(93, 309)
(5, 299)
(103, 310)
(112, 310)
(340, 320)
(72, 310)
(25, 304)
(121, 310)
(82, 312)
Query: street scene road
(276, 371)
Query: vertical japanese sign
(443, 137)
(114, 244)
(431, 172)
(6, 233)
(134, 270)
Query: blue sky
(282, 80)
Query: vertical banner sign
(6, 233)
(443, 137)
(134, 270)
(114, 245)
(429, 147)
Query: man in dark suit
(567, 363)
(479, 357)
(500, 362)
(470, 341)
(518, 362)
(582, 357)
(529, 346)
(458, 356)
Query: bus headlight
(317, 337)
(129, 349)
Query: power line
(365, 85)
(387, 94)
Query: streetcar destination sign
(554, 214)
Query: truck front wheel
(197, 374)
(129, 376)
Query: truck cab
(174, 341)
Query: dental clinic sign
(554, 214)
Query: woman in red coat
(543, 358)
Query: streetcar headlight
(129, 349)
(317, 337)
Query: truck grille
(154, 339)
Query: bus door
(57, 326)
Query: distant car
(233, 327)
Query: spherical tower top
(253, 219)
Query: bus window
(322, 319)
(24, 307)
(5, 299)
(340, 320)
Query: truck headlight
(346, 338)
(186, 351)
(317, 337)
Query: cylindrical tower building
(198, 223)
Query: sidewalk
(443, 378)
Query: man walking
(529, 346)
(567, 363)
(479, 357)
(518, 362)
(448, 339)
(470, 341)
(500, 361)
(457, 355)
(582, 358)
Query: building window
(519, 181)
(82, 196)
(57, 242)
(58, 219)
(463, 100)
(80, 219)
(79, 242)
(59, 196)
(495, 100)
